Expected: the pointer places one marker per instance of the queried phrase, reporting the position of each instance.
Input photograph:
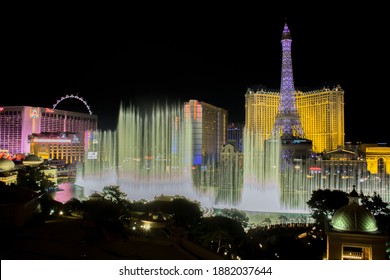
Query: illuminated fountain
(148, 155)
(261, 190)
(101, 162)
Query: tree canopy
(220, 234)
(379, 209)
(235, 214)
(114, 194)
(31, 177)
(323, 204)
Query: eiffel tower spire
(287, 123)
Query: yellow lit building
(378, 160)
(321, 113)
(65, 146)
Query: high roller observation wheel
(75, 97)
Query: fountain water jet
(261, 190)
(149, 154)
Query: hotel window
(356, 253)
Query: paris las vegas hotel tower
(321, 112)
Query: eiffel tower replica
(287, 127)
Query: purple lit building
(18, 122)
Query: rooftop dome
(354, 217)
(32, 160)
(6, 164)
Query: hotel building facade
(19, 123)
(235, 135)
(321, 114)
(209, 130)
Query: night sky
(212, 54)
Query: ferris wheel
(75, 97)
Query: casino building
(209, 130)
(19, 125)
(321, 114)
(316, 116)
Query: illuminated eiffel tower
(287, 123)
(287, 126)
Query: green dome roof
(6, 164)
(33, 158)
(354, 217)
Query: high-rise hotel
(52, 133)
(321, 112)
(209, 130)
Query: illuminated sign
(75, 139)
(47, 110)
(34, 113)
(48, 140)
(315, 168)
(92, 155)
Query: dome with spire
(354, 217)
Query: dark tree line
(224, 233)
(324, 203)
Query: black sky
(212, 54)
